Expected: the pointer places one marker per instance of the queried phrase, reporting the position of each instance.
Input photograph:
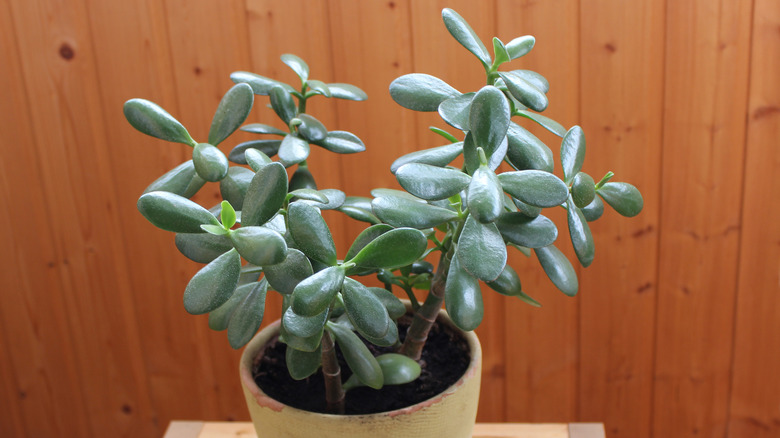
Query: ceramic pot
(450, 414)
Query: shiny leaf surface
(494, 156)
(401, 212)
(463, 297)
(268, 147)
(465, 35)
(545, 122)
(485, 196)
(431, 182)
(314, 294)
(623, 197)
(525, 92)
(302, 364)
(558, 269)
(455, 111)
(534, 79)
(235, 184)
(311, 233)
(366, 312)
(580, 234)
(481, 250)
(525, 231)
(284, 276)
(261, 85)
(259, 246)
(233, 109)
(304, 326)
(220, 317)
(293, 150)
(583, 189)
(151, 119)
(393, 249)
(297, 65)
(282, 104)
(265, 195)
(181, 180)
(202, 247)
(520, 46)
(259, 128)
(421, 92)
(311, 129)
(365, 237)
(358, 357)
(247, 317)
(212, 286)
(535, 187)
(526, 151)
(175, 213)
(347, 91)
(342, 142)
(438, 156)
(572, 153)
(210, 163)
(594, 210)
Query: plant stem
(331, 372)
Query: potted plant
(461, 216)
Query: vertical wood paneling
(541, 344)
(707, 44)
(755, 397)
(621, 105)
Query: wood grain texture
(755, 395)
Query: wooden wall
(675, 332)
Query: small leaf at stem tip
(443, 133)
(465, 35)
(151, 119)
(421, 92)
(520, 46)
(228, 215)
(298, 65)
(623, 197)
(347, 91)
(213, 285)
(572, 153)
(233, 109)
(175, 213)
(500, 53)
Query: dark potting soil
(444, 360)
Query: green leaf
(438, 156)
(485, 197)
(211, 287)
(282, 104)
(520, 46)
(311, 233)
(217, 230)
(365, 310)
(302, 364)
(235, 184)
(395, 307)
(558, 269)
(526, 209)
(233, 109)
(268, 147)
(265, 195)
(359, 208)
(151, 119)
(259, 128)
(463, 297)
(572, 153)
(347, 91)
(365, 237)
(227, 215)
(535, 187)
(623, 197)
(181, 180)
(220, 317)
(259, 246)
(421, 92)
(525, 92)
(525, 231)
(489, 118)
(359, 359)
(579, 231)
(302, 179)
(393, 249)
(342, 142)
(534, 79)
(334, 199)
(304, 326)
(455, 111)
(507, 283)
(202, 247)
(583, 189)
(318, 87)
(525, 151)
(260, 84)
(545, 122)
(471, 157)
(297, 65)
(401, 212)
(500, 53)
(594, 210)
(247, 317)
(309, 195)
(397, 369)
(249, 274)
(311, 129)
(314, 294)
(443, 133)
(175, 213)
(465, 35)
(256, 159)
(481, 250)
(210, 163)
(293, 150)
(284, 276)
(431, 182)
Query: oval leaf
(267, 147)
(293, 150)
(526, 151)
(465, 35)
(395, 307)
(438, 156)
(233, 109)
(297, 65)
(397, 369)
(212, 286)
(534, 79)
(311, 129)
(259, 128)
(210, 163)
(359, 359)
(342, 142)
(558, 269)
(202, 247)
(302, 179)
(151, 119)
(365, 237)
(284, 276)
(525, 92)
(219, 318)
(304, 326)
(623, 197)
(489, 118)
(401, 212)
(247, 317)
(572, 153)
(259, 246)
(181, 180)
(311, 233)
(260, 84)
(235, 184)
(314, 294)
(546, 122)
(175, 213)
(421, 92)
(579, 231)
(485, 197)
(431, 182)
(481, 250)
(535, 187)
(594, 210)
(463, 298)
(302, 364)
(265, 195)
(583, 189)
(520, 46)
(455, 111)
(366, 312)
(518, 228)
(282, 104)
(347, 91)
(393, 249)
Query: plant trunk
(334, 392)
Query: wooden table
(200, 429)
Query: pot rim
(259, 341)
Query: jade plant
(268, 232)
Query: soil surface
(444, 360)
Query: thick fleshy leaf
(535, 187)
(508, 283)
(489, 118)
(546, 122)
(401, 212)
(526, 151)
(249, 274)
(579, 231)
(212, 286)
(463, 297)
(311, 233)
(298, 65)
(151, 119)
(500, 53)
(311, 129)
(268, 147)
(421, 92)
(465, 35)
(397, 369)
(175, 213)
(534, 79)
(572, 153)
(210, 163)
(365, 237)
(309, 195)
(365, 310)
(393, 249)
(334, 199)
(381, 192)
(181, 180)
(259, 128)
(471, 156)
(485, 197)
(359, 208)
(304, 326)
(447, 136)
(395, 307)
(438, 156)
(347, 91)
(220, 317)
(302, 179)
(282, 104)
(235, 184)
(520, 46)
(527, 209)
(247, 317)
(202, 247)
(314, 294)
(583, 189)
(342, 142)
(536, 232)
(359, 359)
(302, 364)
(284, 276)
(481, 250)
(265, 195)
(261, 85)
(455, 111)
(233, 109)
(256, 159)
(558, 269)
(525, 92)
(594, 210)
(293, 150)
(431, 182)
(318, 87)
(259, 246)
(623, 197)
